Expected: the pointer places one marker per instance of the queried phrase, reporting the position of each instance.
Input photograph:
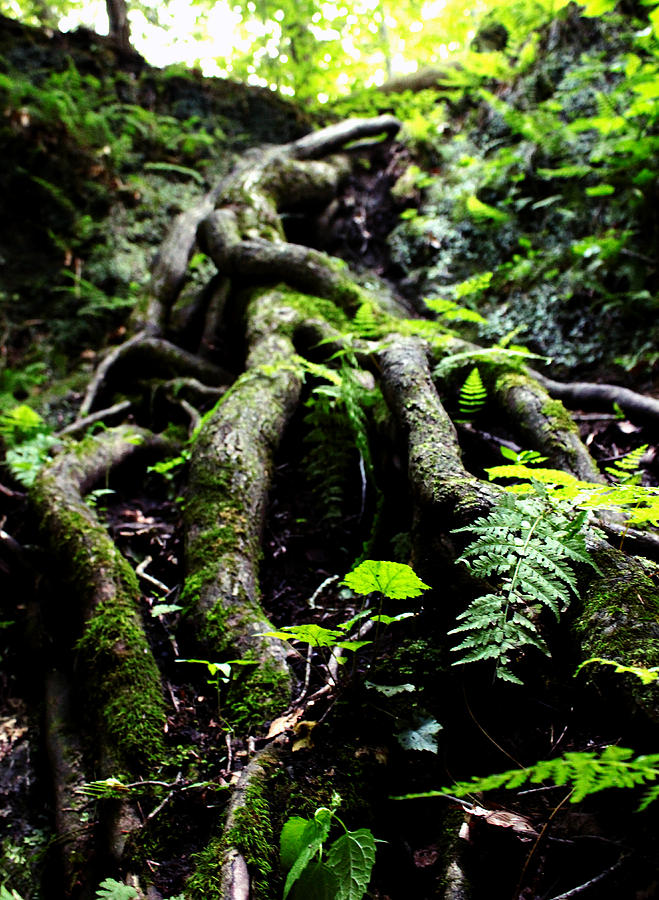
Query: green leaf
(291, 840)
(308, 633)
(600, 190)
(422, 737)
(6, 894)
(481, 211)
(164, 609)
(395, 580)
(351, 858)
(316, 882)
(115, 890)
(315, 834)
(389, 620)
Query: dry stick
(101, 416)
(100, 375)
(157, 353)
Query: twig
(574, 892)
(307, 676)
(140, 570)
(163, 803)
(321, 587)
(82, 424)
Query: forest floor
(340, 735)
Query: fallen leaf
(502, 819)
(304, 741)
(284, 723)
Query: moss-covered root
(230, 473)
(437, 476)
(620, 621)
(116, 665)
(544, 424)
(241, 864)
(74, 838)
(158, 357)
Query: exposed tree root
(289, 301)
(120, 674)
(588, 395)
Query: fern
(585, 772)
(530, 546)
(626, 470)
(472, 394)
(639, 504)
(338, 424)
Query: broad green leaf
(351, 858)
(389, 620)
(6, 894)
(315, 834)
(395, 580)
(291, 840)
(316, 882)
(422, 737)
(592, 8)
(164, 609)
(352, 645)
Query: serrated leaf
(315, 834)
(395, 580)
(422, 737)
(351, 858)
(317, 882)
(115, 890)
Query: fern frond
(530, 545)
(626, 470)
(473, 394)
(585, 772)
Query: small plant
(28, 439)
(220, 673)
(344, 872)
(640, 504)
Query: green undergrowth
(538, 211)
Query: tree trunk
(119, 27)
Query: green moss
(121, 678)
(252, 831)
(258, 695)
(124, 682)
(559, 417)
(620, 620)
(206, 883)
